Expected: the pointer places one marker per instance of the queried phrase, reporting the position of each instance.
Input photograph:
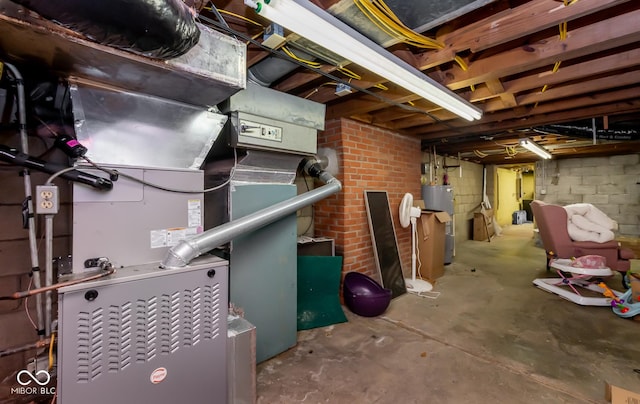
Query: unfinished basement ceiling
(507, 57)
(509, 49)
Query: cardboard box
(617, 395)
(430, 240)
(483, 222)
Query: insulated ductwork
(182, 254)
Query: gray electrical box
(134, 223)
(253, 131)
(263, 118)
(146, 335)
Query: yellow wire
(53, 337)
(463, 65)
(563, 29)
(315, 90)
(381, 86)
(384, 18)
(299, 59)
(479, 153)
(236, 15)
(349, 73)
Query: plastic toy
(616, 302)
(633, 309)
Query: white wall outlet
(47, 201)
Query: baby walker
(568, 286)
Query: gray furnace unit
(146, 335)
(277, 129)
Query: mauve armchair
(552, 226)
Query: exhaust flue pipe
(184, 252)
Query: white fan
(408, 216)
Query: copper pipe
(27, 293)
(34, 345)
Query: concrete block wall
(370, 159)
(609, 183)
(467, 190)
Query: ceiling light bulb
(535, 148)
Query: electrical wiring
(349, 73)
(215, 11)
(26, 308)
(382, 16)
(480, 154)
(563, 30)
(315, 90)
(332, 77)
(511, 151)
(115, 174)
(241, 17)
(293, 56)
(53, 337)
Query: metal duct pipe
(272, 68)
(182, 254)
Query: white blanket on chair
(588, 223)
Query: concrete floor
(489, 337)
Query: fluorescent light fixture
(535, 148)
(315, 24)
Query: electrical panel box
(253, 131)
(263, 118)
(136, 223)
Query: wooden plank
(558, 116)
(603, 35)
(445, 129)
(577, 71)
(591, 86)
(531, 17)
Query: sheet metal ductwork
(267, 71)
(187, 250)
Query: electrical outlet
(47, 201)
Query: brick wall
(369, 159)
(609, 183)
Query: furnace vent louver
(145, 335)
(159, 325)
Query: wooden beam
(584, 102)
(539, 119)
(600, 36)
(591, 86)
(531, 17)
